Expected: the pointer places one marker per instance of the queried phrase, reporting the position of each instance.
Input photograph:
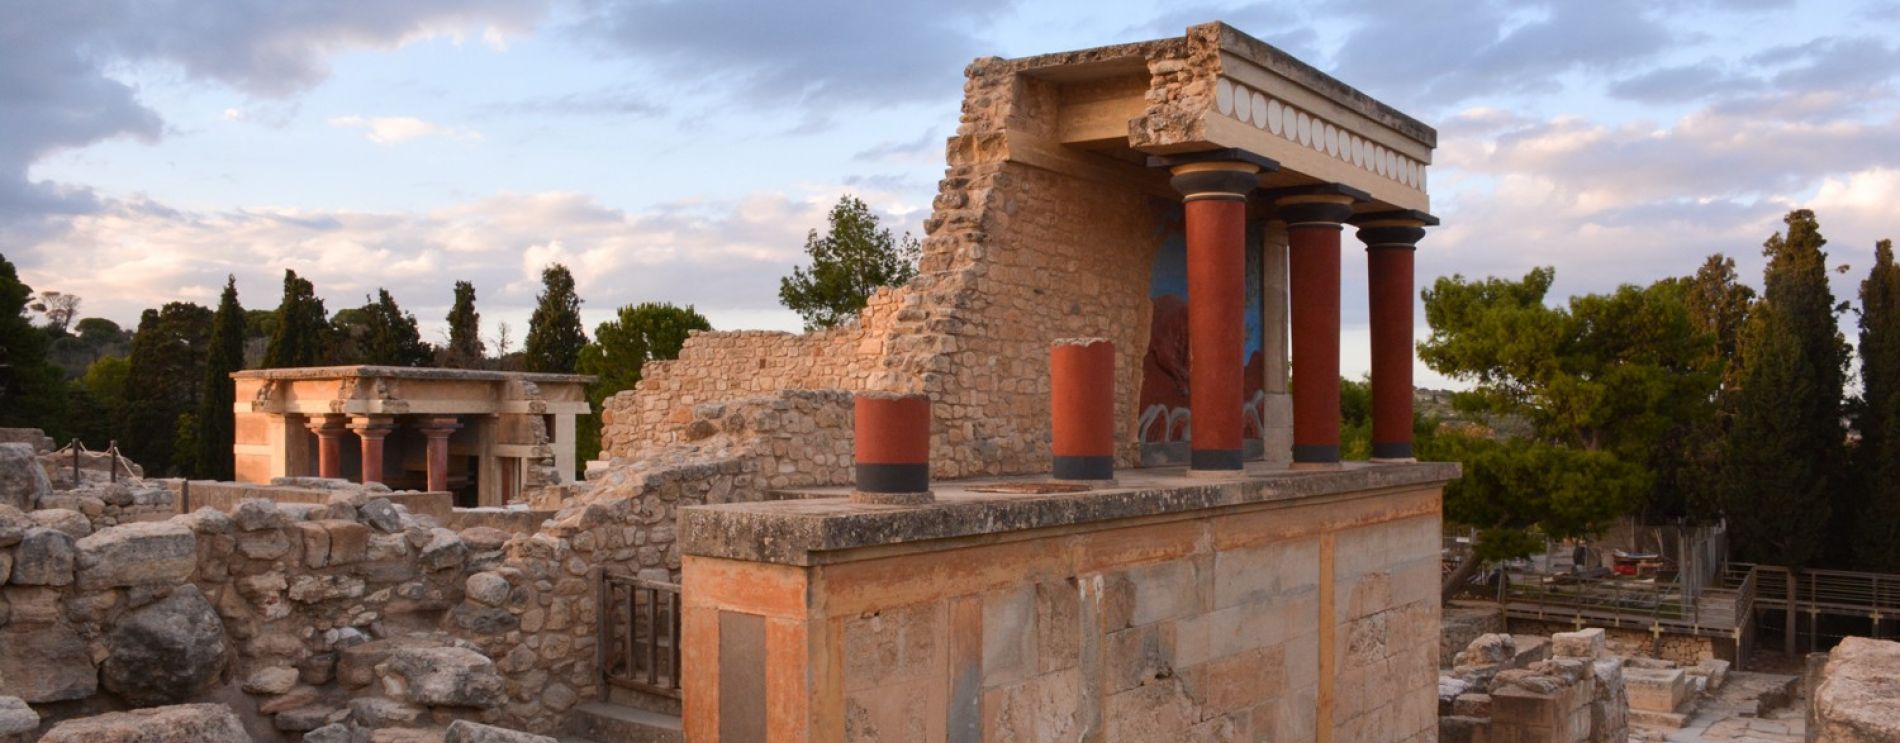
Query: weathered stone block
(46, 664)
(1009, 635)
(1585, 644)
(22, 482)
(349, 541)
(442, 677)
(1655, 689)
(145, 553)
(1258, 573)
(45, 557)
(316, 544)
(184, 723)
(463, 731)
(165, 652)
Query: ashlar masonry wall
(1272, 617)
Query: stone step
(603, 721)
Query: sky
(679, 151)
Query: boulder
(1586, 644)
(379, 513)
(22, 482)
(442, 677)
(13, 525)
(256, 514)
(463, 731)
(46, 664)
(167, 651)
(271, 680)
(1854, 703)
(73, 523)
(144, 553)
(45, 557)
(335, 732)
(1487, 650)
(184, 723)
(16, 718)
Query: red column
(891, 448)
(1313, 227)
(437, 430)
(372, 429)
(329, 430)
(1216, 204)
(1391, 243)
(1082, 409)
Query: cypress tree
(1876, 536)
(465, 326)
(166, 374)
(393, 338)
(30, 393)
(555, 337)
(1782, 458)
(298, 338)
(215, 434)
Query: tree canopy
(1780, 462)
(1876, 536)
(555, 336)
(30, 393)
(848, 262)
(1608, 386)
(212, 455)
(464, 350)
(167, 370)
(299, 328)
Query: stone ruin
(1854, 692)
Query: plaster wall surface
(1313, 618)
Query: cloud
(57, 90)
(1682, 83)
(1431, 54)
(816, 55)
(1274, 24)
(613, 101)
(725, 256)
(387, 130)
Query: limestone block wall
(1242, 624)
(1016, 256)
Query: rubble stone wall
(1629, 642)
(1015, 257)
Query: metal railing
(639, 645)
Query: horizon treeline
(1690, 400)
(163, 391)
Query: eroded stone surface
(1856, 700)
(184, 723)
(166, 652)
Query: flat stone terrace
(809, 522)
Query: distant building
(488, 437)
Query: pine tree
(465, 325)
(393, 338)
(1876, 537)
(555, 337)
(298, 338)
(848, 263)
(649, 331)
(167, 372)
(1781, 461)
(215, 435)
(30, 392)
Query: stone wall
(1854, 701)
(269, 598)
(1015, 257)
(1631, 642)
(1245, 623)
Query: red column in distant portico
(437, 430)
(1215, 187)
(329, 430)
(1313, 220)
(372, 429)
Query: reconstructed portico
(487, 436)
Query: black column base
(1316, 453)
(1083, 468)
(1215, 459)
(893, 478)
(1394, 450)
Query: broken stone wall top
(406, 372)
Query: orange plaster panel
(1138, 545)
(749, 587)
(699, 650)
(1255, 528)
(860, 587)
(787, 689)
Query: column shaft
(1313, 227)
(1391, 245)
(1390, 284)
(437, 431)
(1217, 305)
(329, 430)
(372, 430)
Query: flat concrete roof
(407, 372)
(819, 520)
